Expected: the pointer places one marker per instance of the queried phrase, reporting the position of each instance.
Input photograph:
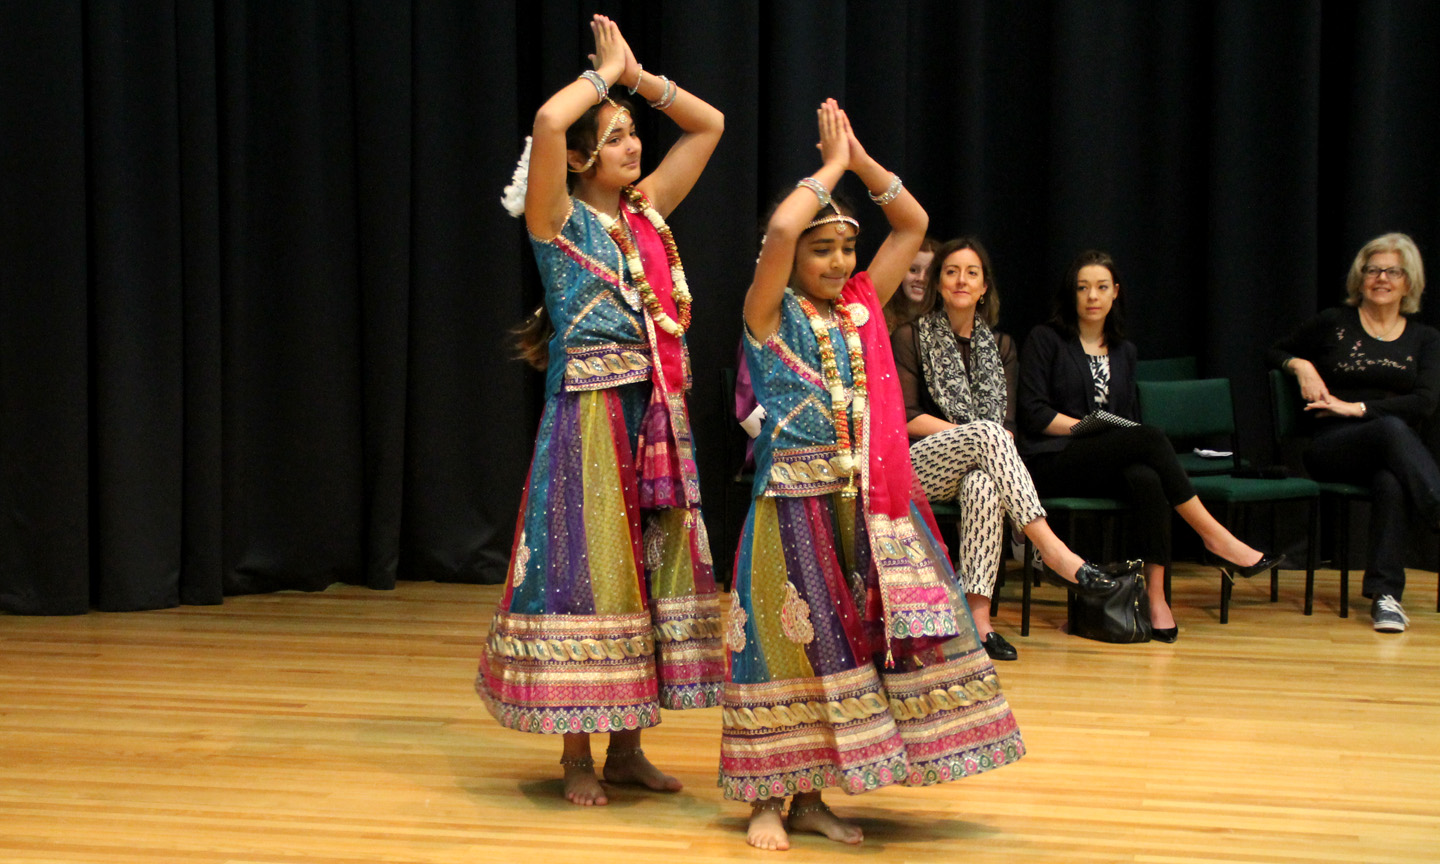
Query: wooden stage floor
(342, 727)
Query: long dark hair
(989, 307)
(1064, 313)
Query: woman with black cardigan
(1080, 363)
(1371, 378)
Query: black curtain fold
(255, 282)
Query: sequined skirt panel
(808, 700)
(609, 611)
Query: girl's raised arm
(777, 253)
(908, 220)
(702, 123)
(547, 198)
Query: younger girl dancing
(609, 611)
(852, 659)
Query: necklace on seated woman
(1371, 326)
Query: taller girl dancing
(609, 611)
(853, 661)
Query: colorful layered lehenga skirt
(609, 612)
(810, 701)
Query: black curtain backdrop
(255, 281)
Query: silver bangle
(667, 98)
(891, 193)
(818, 188)
(601, 88)
(639, 76)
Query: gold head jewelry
(620, 114)
(840, 220)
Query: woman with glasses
(1370, 377)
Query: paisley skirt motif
(809, 701)
(609, 611)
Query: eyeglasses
(1376, 272)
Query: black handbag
(1123, 615)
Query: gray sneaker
(1389, 616)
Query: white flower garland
(514, 198)
(681, 288)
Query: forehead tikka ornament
(840, 220)
(615, 119)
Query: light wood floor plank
(341, 727)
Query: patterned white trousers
(977, 465)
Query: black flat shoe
(998, 648)
(1167, 634)
(1265, 563)
(1089, 580)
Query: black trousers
(1136, 465)
(1388, 456)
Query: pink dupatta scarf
(666, 455)
(915, 603)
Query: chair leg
(1025, 582)
(1225, 588)
(1344, 553)
(1311, 542)
(1226, 584)
(1274, 571)
(1169, 530)
(999, 571)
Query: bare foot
(767, 831)
(813, 816)
(581, 785)
(632, 767)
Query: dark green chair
(1167, 369)
(1193, 411)
(1286, 408)
(1107, 509)
(1204, 407)
(949, 511)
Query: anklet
(807, 809)
(623, 752)
(776, 804)
(577, 761)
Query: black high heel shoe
(1090, 580)
(1232, 570)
